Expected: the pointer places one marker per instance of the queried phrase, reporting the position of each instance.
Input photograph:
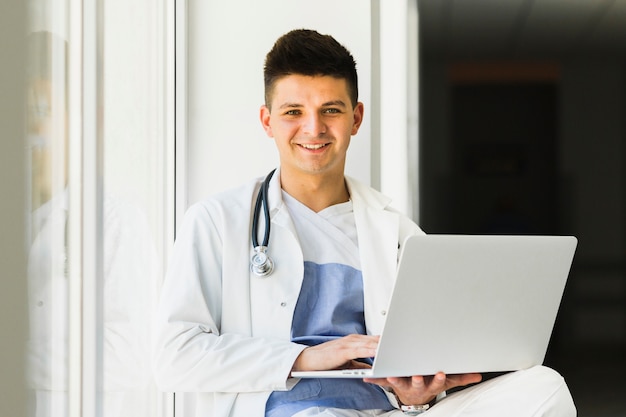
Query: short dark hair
(307, 52)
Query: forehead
(305, 89)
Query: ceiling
(478, 29)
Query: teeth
(309, 146)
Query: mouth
(313, 146)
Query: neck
(316, 192)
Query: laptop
(469, 303)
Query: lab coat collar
(278, 210)
(369, 196)
(357, 190)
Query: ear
(358, 118)
(265, 116)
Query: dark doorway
(503, 148)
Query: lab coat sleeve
(191, 353)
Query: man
(234, 337)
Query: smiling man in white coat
(234, 338)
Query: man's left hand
(423, 389)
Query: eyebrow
(339, 103)
(289, 105)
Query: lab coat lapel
(377, 230)
(236, 312)
(273, 298)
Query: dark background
(523, 131)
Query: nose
(314, 125)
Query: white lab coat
(224, 333)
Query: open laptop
(467, 303)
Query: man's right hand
(337, 354)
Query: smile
(313, 146)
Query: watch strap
(413, 410)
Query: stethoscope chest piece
(261, 264)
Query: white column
(397, 89)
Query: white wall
(225, 51)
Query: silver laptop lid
(466, 303)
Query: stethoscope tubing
(261, 200)
(266, 266)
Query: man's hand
(341, 353)
(337, 354)
(423, 389)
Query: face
(311, 120)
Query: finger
(336, 353)
(378, 381)
(416, 384)
(355, 346)
(437, 384)
(417, 389)
(352, 364)
(460, 380)
(389, 382)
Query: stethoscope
(261, 264)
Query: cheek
(284, 128)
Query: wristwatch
(413, 410)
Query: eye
(331, 110)
(292, 112)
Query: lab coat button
(383, 313)
(283, 304)
(39, 303)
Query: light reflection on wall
(47, 263)
(131, 262)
